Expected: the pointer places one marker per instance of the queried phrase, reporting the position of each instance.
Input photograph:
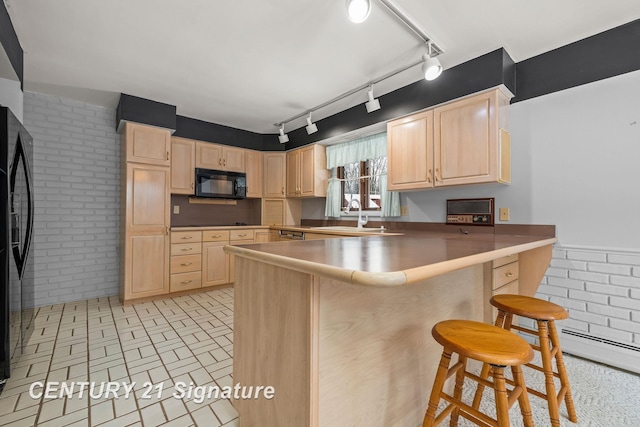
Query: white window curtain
(362, 149)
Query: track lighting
(358, 10)
(311, 127)
(431, 68)
(283, 137)
(373, 104)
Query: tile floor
(185, 339)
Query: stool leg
(457, 391)
(562, 372)
(523, 399)
(500, 388)
(438, 384)
(547, 366)
(484, 374)
(500, 319)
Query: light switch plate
(176, 209)
(504, 214)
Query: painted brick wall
(601, 290)
(76, 177)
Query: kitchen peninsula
(341, 327)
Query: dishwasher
(291, 235)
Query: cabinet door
(147, 144)
(465, 141)
(233, 159)
(262, 236)
(148, 199)
(215, 264)
(293, 173)
(409, 152)
(146, 266)
(183, 160)
(275, 170)
(253, 168)
(307, 172)
(208, 156)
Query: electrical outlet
(404, 210)
(504, 214)
(176, 209)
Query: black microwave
(220, 184)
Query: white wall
(11, 96)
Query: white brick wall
(76, 177)
(601, 290)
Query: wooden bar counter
(341, 328)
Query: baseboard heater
(620, 355)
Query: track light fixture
(283, 137)
(431, 68)
(311, 127)
(373, 104)
(358, 10)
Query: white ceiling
(251, 63)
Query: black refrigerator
(16, 234)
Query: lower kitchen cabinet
(215, 264)
(502, 275)
(185, 261)
(144, 278)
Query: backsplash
(246, 211)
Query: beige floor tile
(124, 405)
(224, 411)
(75, 418)
(51, 409)
(153, 415)
(183, 421)
(205, 417)
(102, 412)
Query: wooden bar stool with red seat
(489, 344)
(544, 313)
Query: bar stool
(544, 313)
(489, 344)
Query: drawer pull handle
(242, 235)
(184, 282)
(509, 274)
(187, 237)
(186, 249)
(186, 264)
(215, 236)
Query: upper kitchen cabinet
(455, 144)
(183, 161)
(147, 144)
(467, 148)
(307, 172)
(219, 157)
(410, 152)
(275, 174)
(253, 167)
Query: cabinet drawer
(505, 274)
(241, 234)
(505, 260)
(186, 236)
(186, 248)
(186, 263)
(510, 288)
(184, 281)
(215, 235)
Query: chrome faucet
(361, 222)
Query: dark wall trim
(212, 132)
(487, 71)
(134, 109)
(11, 44)
(604, 55)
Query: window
(361, 184)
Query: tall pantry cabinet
(145, 211)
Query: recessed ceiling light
(358, 10)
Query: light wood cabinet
(275, 174)
(410, 152)
(455, 144)
(307, 172)
(186, 261)
(219, 157)
(183, 162)
(281, 211)
(253, 168)
(261, 236)
(467, 140)
(147, 144)
(145, 201)
(501, 277)
(215, 264)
